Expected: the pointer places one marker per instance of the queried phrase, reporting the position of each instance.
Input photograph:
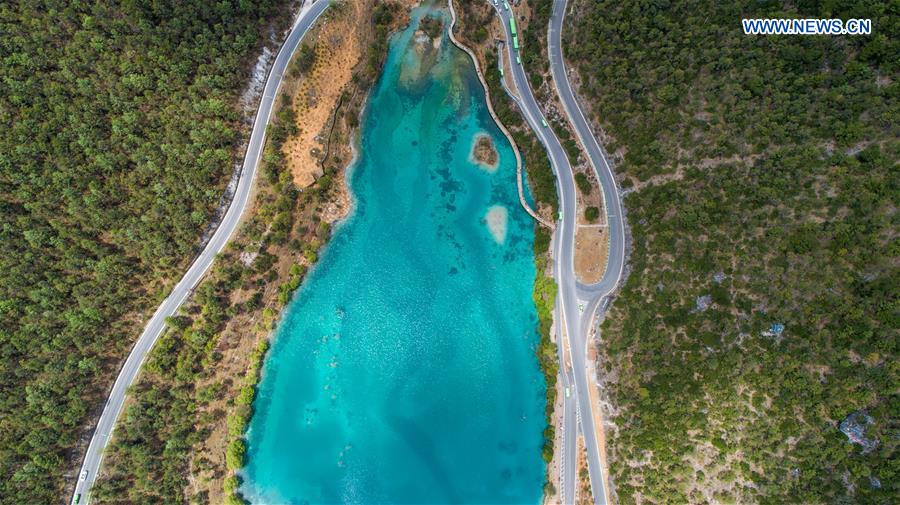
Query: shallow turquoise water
(404, 369)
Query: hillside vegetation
(180, 438)
(762, 305)
(120, 129)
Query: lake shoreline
(544, 289)
(337, 318)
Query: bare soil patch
(591, 237)
(338, 49)
(591, 252)
(583, 481)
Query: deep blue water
(403, 370)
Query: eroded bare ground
(320, 73)
(591, 249)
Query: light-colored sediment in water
(496, 219)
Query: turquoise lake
(404, 370)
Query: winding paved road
(591, 296)
(597, 158)
(567, 470)
(202, 263)
(569, 324)
(577, 303)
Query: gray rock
(703, 303)
(854, 426)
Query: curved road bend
(202, 263)
(592, 296)
(564, 238)
(597, 158)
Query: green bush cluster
(533, 42)
(573, 150)
(305, 60)
(583, 183)
(384, 17)
(544, 295)
(476, 17)
(239, 419)
(296, 275)
(432, 25)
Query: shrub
(584, 185)
(234, 455)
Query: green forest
(154, 453)
(121, 128)
(161, 452)
(761, 308)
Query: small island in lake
(484, 153)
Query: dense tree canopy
(120, 129)
(193, 386)
(762, 304)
